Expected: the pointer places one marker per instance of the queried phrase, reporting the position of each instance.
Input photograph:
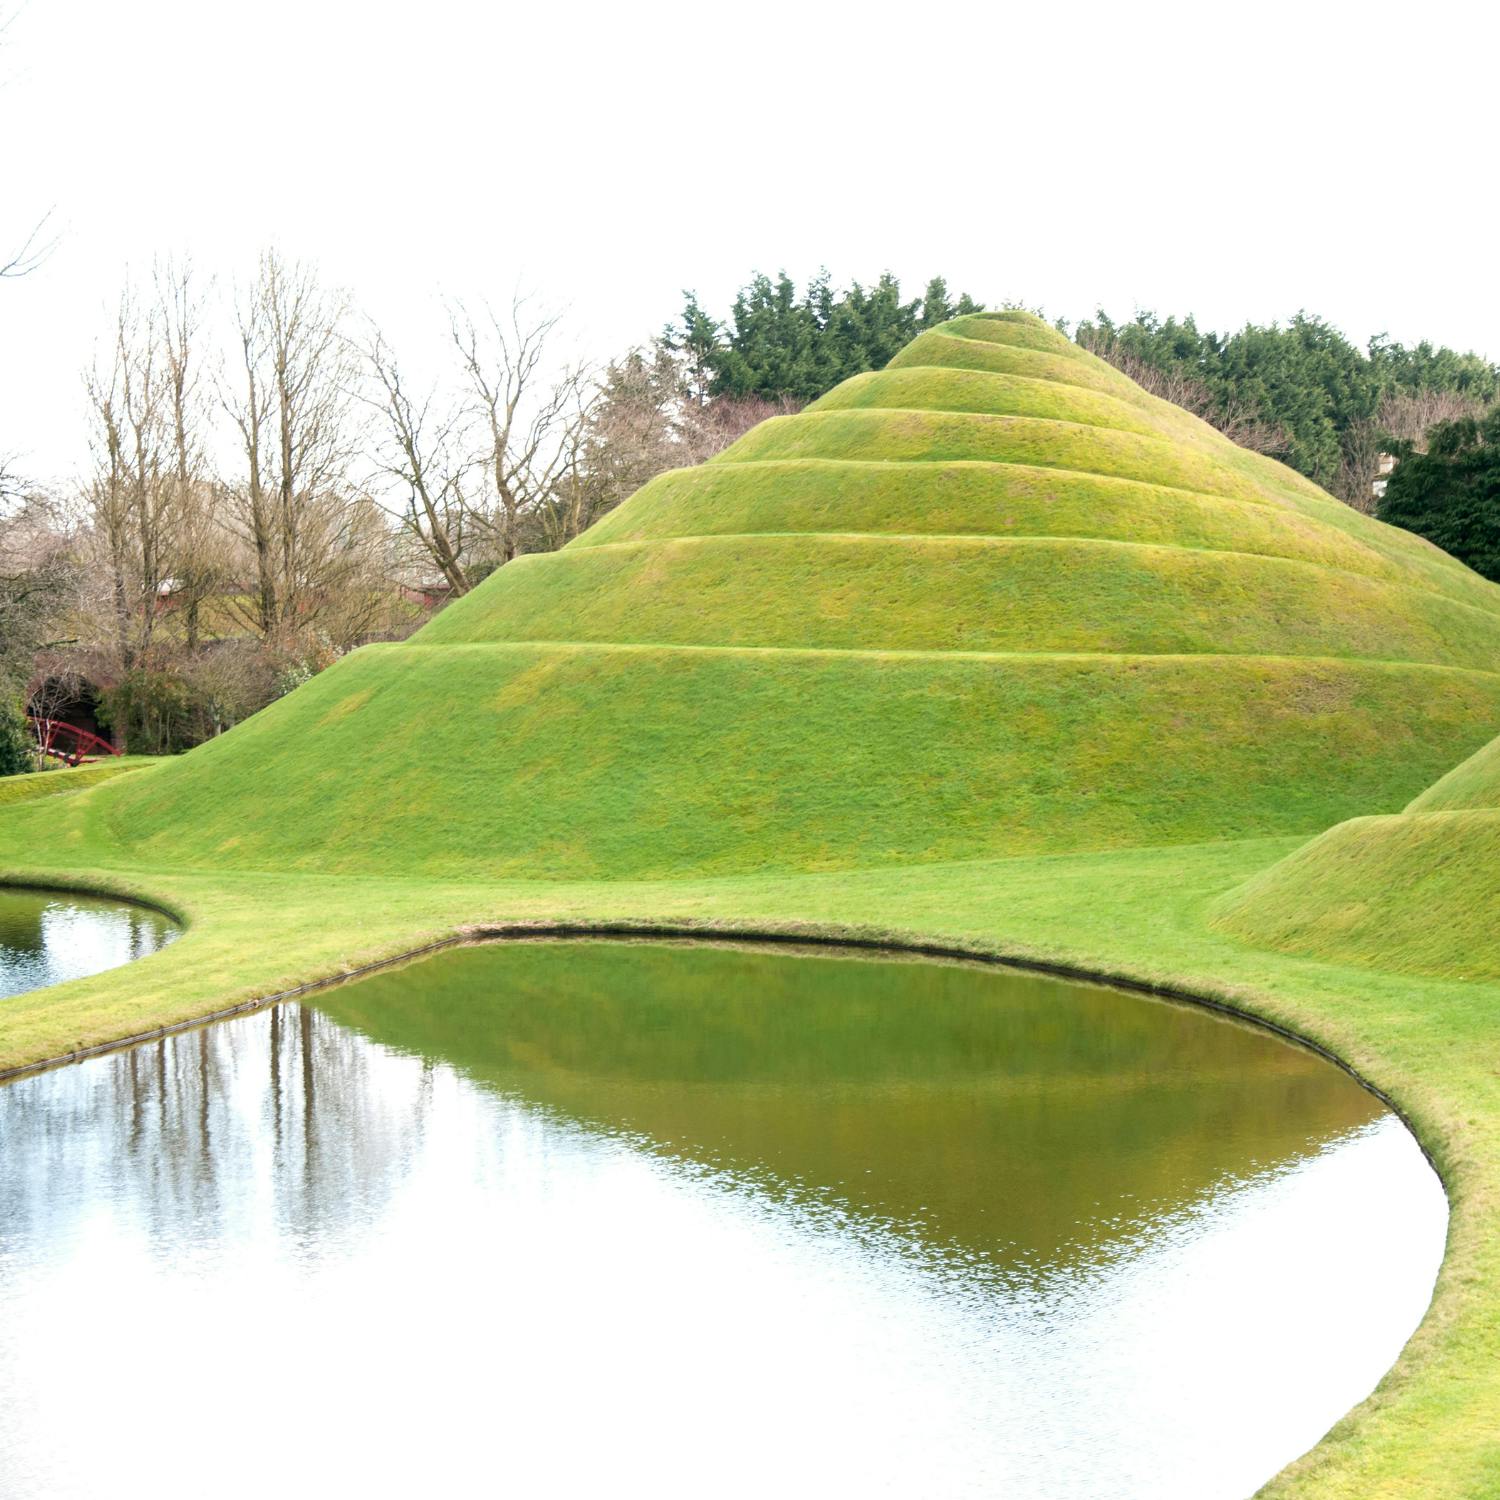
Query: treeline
(1449, 490)
(1301, 391)
(782, 344)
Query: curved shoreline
(99, 891)
(821, 936)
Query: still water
(49, 936)
(582, 1219)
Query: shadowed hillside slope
(992, 600)
(1417, 893)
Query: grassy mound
(1475, 783)
(946, 613)
(1417, 893)
(1013, 500)
(1034, 595)
(582, 761)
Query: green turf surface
(971, 593)
(57, 780)
(1416, 893)
(948, 348)
(575, 762)
(989, 394)
(788, 496)
(991, 649)
(1474, 783)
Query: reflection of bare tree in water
(146, 933)
(342, 1137)
(173, 1133)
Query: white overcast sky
(1237, 162)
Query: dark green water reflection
(998, 1110)
(578, 1219)
(47, 937)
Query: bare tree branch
(422, 453)
(316, 542)
(527, 422)
(34, 249)
(39, 244)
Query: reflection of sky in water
(275, 1257)
(47, 938)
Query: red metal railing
(67, 742)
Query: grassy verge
(52, 783)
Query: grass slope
(1417, 893)
(59, 780)
(1474, 783)
(577, 762)
(972, 593)
(992, 649)
(972, 498)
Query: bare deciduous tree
(639, 419)
(1403, 416)
(294, 505)
(32, 251)
(38, 582)
(526, 418)
(152, 536)
(421, 450)
(199, 564)
(711, 428)
(1408, 416)
(39, 243)
(130, 495)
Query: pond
(567, 1219)
(49, 936)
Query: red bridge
(67, 742)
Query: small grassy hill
(1417, 893)
(992, 600)
(1474, 784)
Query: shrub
(1451, 493)
(158, 713)
(17, 753)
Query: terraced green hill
(991, 600)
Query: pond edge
(827, 936)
